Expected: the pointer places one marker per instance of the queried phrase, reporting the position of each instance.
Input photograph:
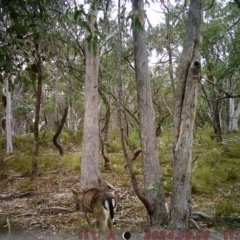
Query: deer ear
(74, 192)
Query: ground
(44, 208)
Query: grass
(216, 171)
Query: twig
(52, 172)
(195, 224)
(10, 196)
(118, 220)
(195, 167)
(135, 155)
(111, 186)
(195, 159)
(201, 214)
(9, 227)
(56, 210)
(7, 158)
(25, 215)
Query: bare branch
(228, 95)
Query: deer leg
(89, 223)
(102, 222)
(109, 223)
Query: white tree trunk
(234, 119)
(70, 111)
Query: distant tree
(9, 118)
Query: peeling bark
(184, 118)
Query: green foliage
(217, 165)
(137, 171)
(76, 137)
(22, 162)
(120, 168)
(114, 145)
(224, 208)
(137, 19)
(134, 139)
(46, 136)
(64, 137)
(92, 41)
(204, 181)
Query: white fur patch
(106, 211)
(114, 203)
(106, 205)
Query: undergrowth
(215, 166)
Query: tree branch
(228, 95)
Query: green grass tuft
(224, 208)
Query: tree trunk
(216, 121)
(8, 129)
(38, 108)
(229, 111)
(234, 125)
(151, 167)
(169, 50)
(105, 129)
(136, 188)
(59, 130)
(56, 106)
(70, 110)
(90, 165)
(17, 121)
(227, 118)
(184, 117)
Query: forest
(138, 98)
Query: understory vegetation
(215, 182)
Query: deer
(100, 204)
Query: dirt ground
(44, 208)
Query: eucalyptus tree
(151, 168)
(90, 164)
(95, 38)
(184, 117)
